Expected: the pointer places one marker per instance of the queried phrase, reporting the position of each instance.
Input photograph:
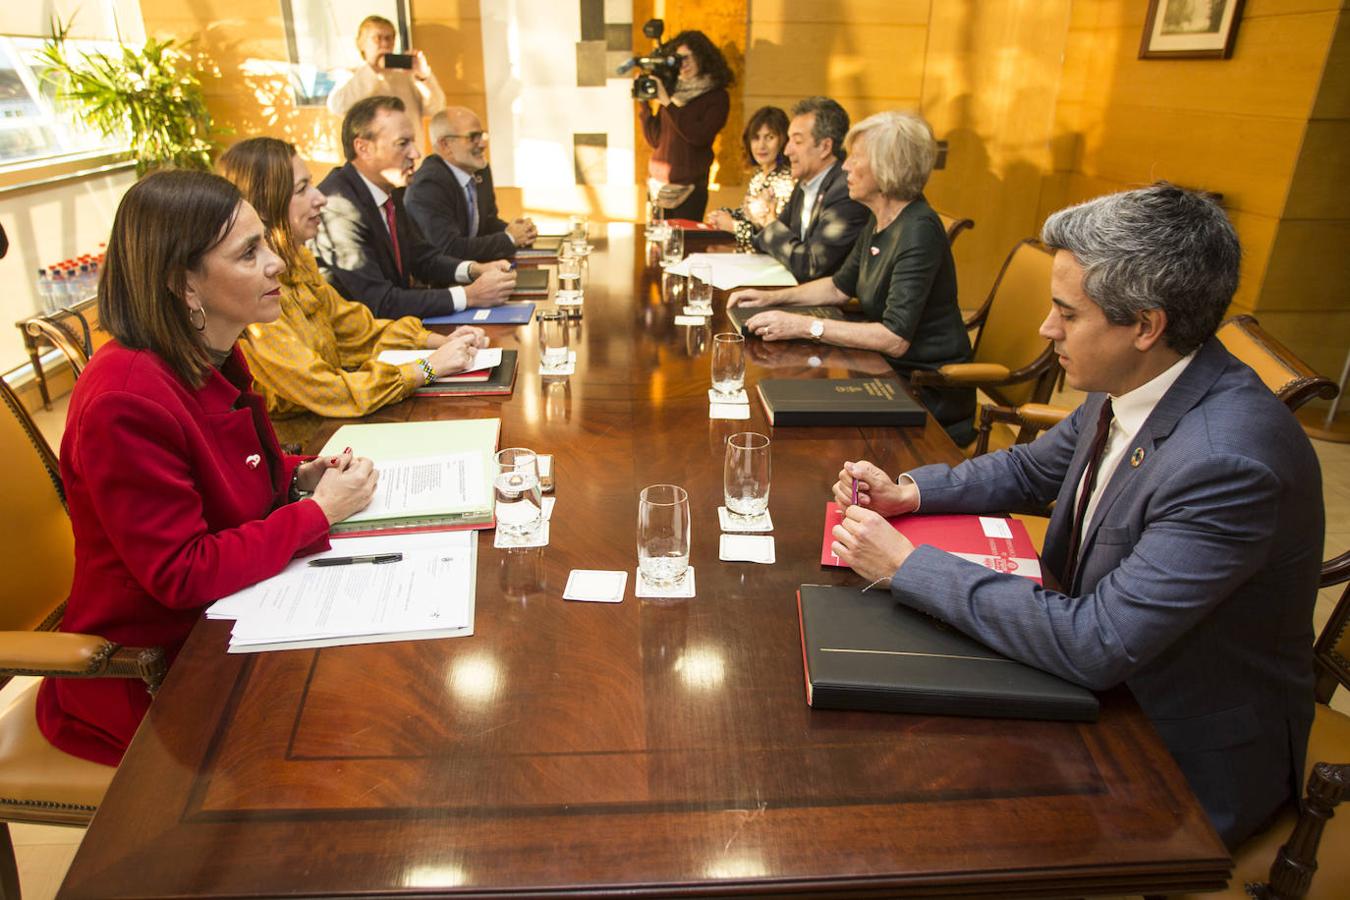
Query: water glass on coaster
(569, 293)
(516, 495)
(672, 246)
(728, 363)
(745, 475)
(663, 534)
(699, 292)
(553, 341)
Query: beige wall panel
(455, 52)
(1319, 338)
(858, 108)
(1249, 160)
(1257, 235)
(1309, 267)
(890, 12)
(1319, 188)
(1333, 98)
(1255, 9)
(1090, 59)
(445, 11)
(1122, 14)
(847, 60)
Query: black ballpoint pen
(375, 558)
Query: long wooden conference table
(651, 747)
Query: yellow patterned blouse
(319, 355)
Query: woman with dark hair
(682, 129)
(763, 139)
(320, 354)
(177, 490)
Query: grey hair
(901, 151)
(1159, 247)
(831, 121)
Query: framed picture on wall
(1190, 29)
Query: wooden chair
(67, 330)
(1011, 362)
(1283, 863)
(40, 784)
(954, 227)
(1287, 376)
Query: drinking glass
(745, 475)
(672, 246)
(553, 340)
(728, 363)
(569, 281)
(516, 494)
(663, 534)
(578, 229)
(700, 289)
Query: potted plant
(150, 95)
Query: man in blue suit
(1188, 524)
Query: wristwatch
(817, 329)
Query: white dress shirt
(457, 295)
(809, 192)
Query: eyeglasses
(472, 137)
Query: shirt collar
(460, 175)
(1132, 408)
(378, 194)
(814, 184)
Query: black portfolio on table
(839, 401)
(739, 315)
(863, 650)
(531, 283)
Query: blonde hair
(370, 23)
(901, 150)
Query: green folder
(389, 441)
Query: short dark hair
(1159, 247)
(261, 168)
(776, 121)
(166, 223)
(711, 62)
(831, 121)
(356, 123)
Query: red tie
(1094, 460)
(393, 232)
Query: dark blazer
(835, 222)
(178, 497)
(437, 204)
(1196, 588)
(356, 256)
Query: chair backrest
(1331, 653)
(37, 548)
(1292, 380)
(1017, 305)
(954, 227)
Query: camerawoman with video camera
(687, 79)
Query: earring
(201, 311)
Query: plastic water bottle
(44, 288)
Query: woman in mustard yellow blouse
(319, 356)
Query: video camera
(666, 68)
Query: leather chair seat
(32, 769)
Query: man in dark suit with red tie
(451, 197)
(370, 249)
(1188, 524)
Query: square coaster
(755, 548)
(503, 541)
(569, 369)
(694, 321)
(740, 398)
(728, 411)
(596, 586)
(701, 313)
(684, 588)
(549, 503)
(742, 525)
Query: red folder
(689, 225)
(992, 541)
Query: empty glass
(728, 363)
(569, 282)
(672, 246)
(745, 475)
(663, 534)
(578, 229)
(700, 288)
(553, 341)
(515, 492)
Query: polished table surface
(649, 747)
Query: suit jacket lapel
(1057, 532)
(825, 186)
(375, 223)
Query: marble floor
(44, 853)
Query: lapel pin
(252, 460)
(1137, 457)
(875, 251)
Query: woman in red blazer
(178, 492)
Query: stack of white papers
(733, 270)
(428, 594)
(487, 358)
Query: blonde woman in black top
(900, 269)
